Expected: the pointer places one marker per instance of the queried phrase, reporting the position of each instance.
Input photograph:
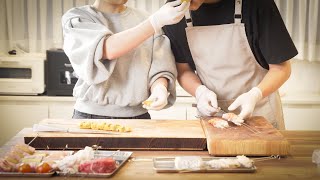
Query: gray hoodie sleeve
(83, 43)
(163, 65)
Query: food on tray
(102, 165)
(6, 166)
(25, 159)
(244, 161)
(10, 161)
(233, 118)
(230, 163)
(70, 164)
(25, 168)
(43, 168)
(218, 123)
(104, 126)
(85, 162)
(188, 162)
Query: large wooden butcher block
(239, 140)
(145, 134)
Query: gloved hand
(206, 101)
(170, 13)
(247, 102)
(158, 98)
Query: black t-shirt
(267, 35)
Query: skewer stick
(250, 128)
(33, 139)
(267, 158)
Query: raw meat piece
(233, 118)
(188, 162)
(102, 165)
(218, 123)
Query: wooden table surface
(298, 165)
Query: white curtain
(303, 23)
(35, 25)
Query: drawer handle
(67, 65)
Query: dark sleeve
(274, 41)
(179, 44)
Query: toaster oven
(22, 74)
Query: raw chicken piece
(70, 164)
(244, 161)
(188, 162)
(223, 163)
(218, 123)
(233, 118)
(240, 161)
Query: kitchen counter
(298, 165)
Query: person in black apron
(240, 60)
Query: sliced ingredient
(233, 118)
(104, 126)
(219, 123)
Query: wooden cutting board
(146, 134)
(239, 140)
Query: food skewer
(252, 129)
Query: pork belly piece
(102, 165)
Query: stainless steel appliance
(60, 75)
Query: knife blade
(53, 128)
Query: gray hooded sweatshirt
(114, 87)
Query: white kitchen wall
(304, 80)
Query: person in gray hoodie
(121, 58)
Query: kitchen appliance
(22, 74)
(60, 74)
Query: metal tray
(18, 174)
(167, 165)
(119, 156)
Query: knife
(219, 112)
(53, 128)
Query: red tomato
(24, 168)
(43, 168)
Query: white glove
(170, 13)
(206, 101)
(158, 98)
(247, 102)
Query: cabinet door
(175, 112)
(15, 117)
(61, 110)
(302, 117)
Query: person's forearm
(187, 78)
(123, 42)
(162, 80)
(275, 78)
